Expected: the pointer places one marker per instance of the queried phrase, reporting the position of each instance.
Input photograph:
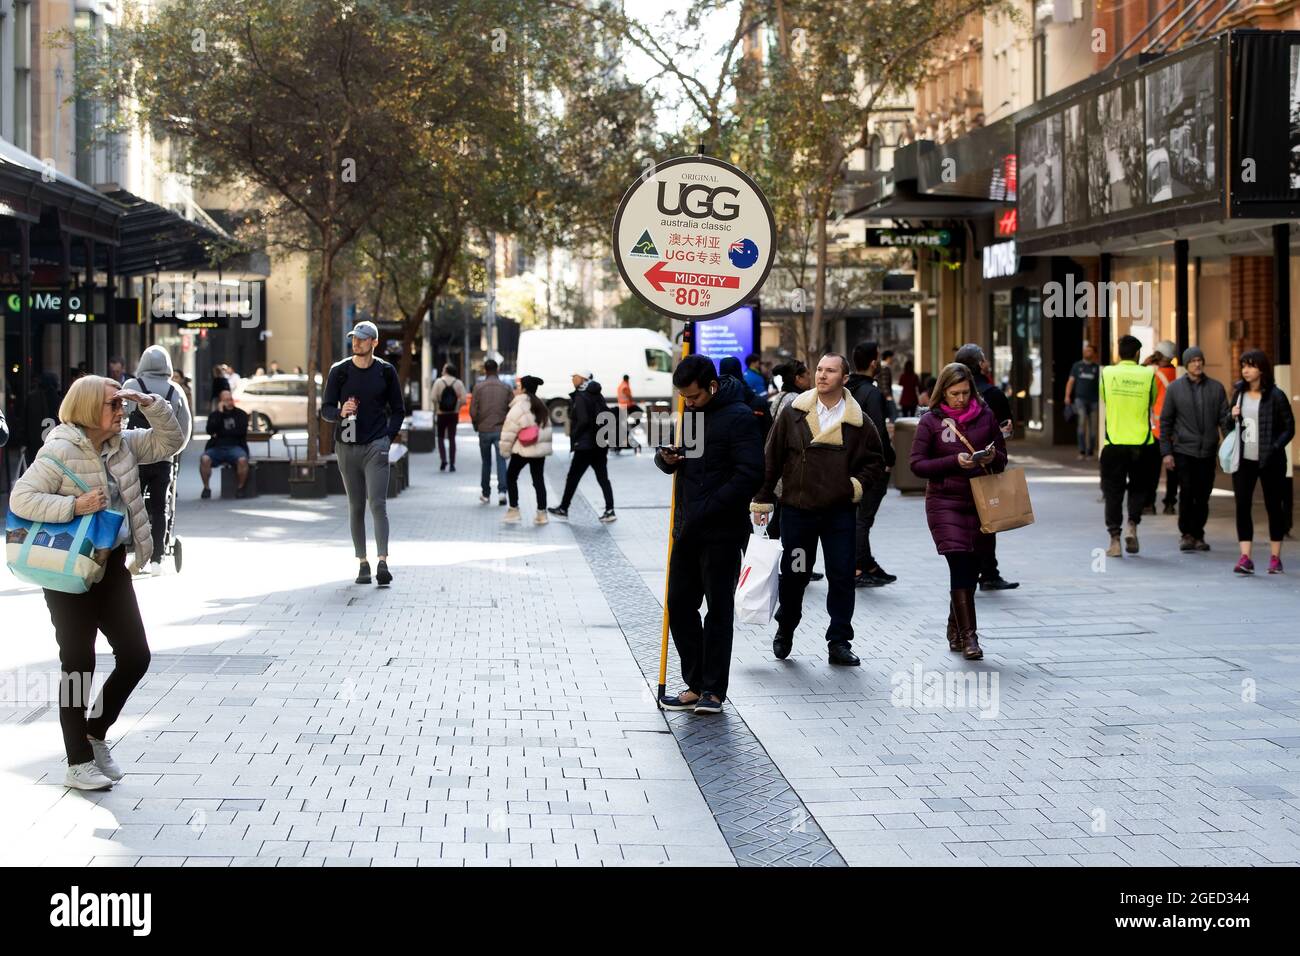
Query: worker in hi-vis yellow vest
(1128, 391)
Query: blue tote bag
(69, 556)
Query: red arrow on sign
(661, 274)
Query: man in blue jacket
(716, 477)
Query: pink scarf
(961, 418)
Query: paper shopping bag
(756, 591)
(1002, 501)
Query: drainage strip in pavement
(759, 814)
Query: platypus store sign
(694, 238)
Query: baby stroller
(171, 540)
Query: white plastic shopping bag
(756, 592)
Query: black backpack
(448, 401)
(137, 419)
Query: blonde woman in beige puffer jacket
(91, 444)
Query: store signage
(1001, 260)
(1005, 224)
(205, 305)
(694, 238)
(731, 334)
(47, 305)
(909, 238)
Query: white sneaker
(104, 759)
(483, 499)
(541, 518)
(512, 516)
(86, 776)
(155, 567)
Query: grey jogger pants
(364, 469)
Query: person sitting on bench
(228, 445)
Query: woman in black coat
(1266, 426)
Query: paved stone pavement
(491, 707)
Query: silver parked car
(275, 401)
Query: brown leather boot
(963, 603)
(954, 634)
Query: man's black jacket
(868, 394)
(714, 489)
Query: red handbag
(528, 436)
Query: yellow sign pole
(688, 337)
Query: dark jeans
(1195, 482)
(963, 570)
(110, 607)
(489, 444)
(447, 428)
(1086, 426)
(800, 530)
(155, 480)
(1271, 478)
(1125, 468)
(536, 468)
(872, 496)
(704, 568)
(597, 459)
(986, 549)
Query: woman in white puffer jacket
(527, 414)
(91, 444)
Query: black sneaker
(882, 575)
(816, 576)
(453, 467)
(1170, 509)
(559, 512)
(443, 466)
(998, 584)
(382, 577)
(501, 501)
(207, 493)
(781, 645)
(868, 580)
(608, 516)
(363, 573)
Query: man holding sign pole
(715, 480)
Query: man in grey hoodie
(154, 374)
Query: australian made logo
(645, 247)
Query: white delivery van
(553, 355)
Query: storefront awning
(28, 185)
(153, 238)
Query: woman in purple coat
(940, 455)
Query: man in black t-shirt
(1081, 394)
(228, 426)
(364, 399)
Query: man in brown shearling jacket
(823, 451)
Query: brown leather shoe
(963, 603)
(954, 635)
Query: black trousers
(1195, 482)
(704, 569)
(155, 479)
(110, 607)
(1126, 469)
(536, 469)
(986, 549)
(963, 570)
(597, 459)
(447, 422)
(872, 496)
(801, 529)
(1171, 481)
(1271, 478)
